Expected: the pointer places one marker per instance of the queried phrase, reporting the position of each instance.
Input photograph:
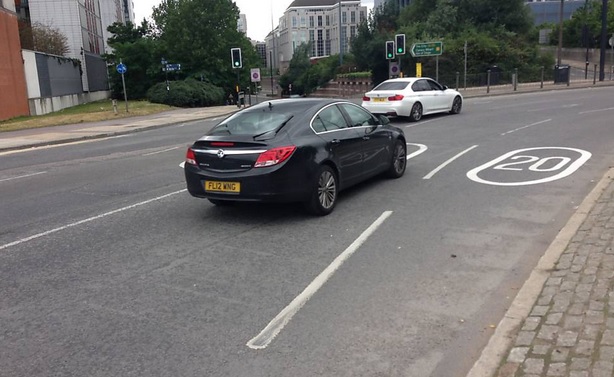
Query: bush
(187, 93)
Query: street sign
(121, 68)
(394, 68)
(426, 49)
(172, 67)
(255, 73)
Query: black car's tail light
(274, 156)
(190, 157)
(397, 97)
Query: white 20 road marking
(265, 337)
(421, 149)
(535, 164)
(39, 235)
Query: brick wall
(13, 92)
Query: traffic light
(389, 49)
(400, 39)
(235, 54)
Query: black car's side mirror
(384, 120)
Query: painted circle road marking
(538, 163)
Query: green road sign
(426, 49)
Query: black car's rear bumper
(260, 185)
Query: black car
(293, 150)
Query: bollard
(457, 79)
(488, 81)
(115, 106)
(515, 79)
(542, 83)
(595, 75)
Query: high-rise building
(328, 25)
(242, 24)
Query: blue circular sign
(121, 68)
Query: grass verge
(89, 112)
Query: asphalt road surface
(108, 267)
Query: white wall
(29, 65)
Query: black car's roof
(295, 105)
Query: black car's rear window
(398, 85)
(250, 123)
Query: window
(294, 22)
(434, 85)
(329, 119)
(362, 16)
(352, 17)
(319, 21)
(303, 21)
(327, 20)
(344, 18)
(311, 24)
(352, 31)
(320, 43)
(358, 116)
(392, 85)
(421, 86)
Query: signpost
(426, 49)
(172, 67)
(419, 50)
(121, 69)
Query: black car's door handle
(335, 141)
(365, 137)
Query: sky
(257, 12)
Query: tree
(139, 53)
(199, 34)
(43, 38)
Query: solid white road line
(596, 111)
(265, 337)
(22, 176)
(431, 174)
(420, 123)
(162, 151)
(527, 126)
(39, 235)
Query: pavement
(562, 321)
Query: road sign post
(122, 69)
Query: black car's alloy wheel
(399, 160)
(416, 112)
(457, 105)
(324, 195)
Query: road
(110, 268)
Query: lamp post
(585, 36)
(604, 39)
(340, 38)
(560, 47)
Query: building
(328, 25)
(84, 23)
(242, 24)
(13, 92)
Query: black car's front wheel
(399, 160)
(324, 192)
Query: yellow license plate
(219, 186)
(379, 99)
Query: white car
(412, 97)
